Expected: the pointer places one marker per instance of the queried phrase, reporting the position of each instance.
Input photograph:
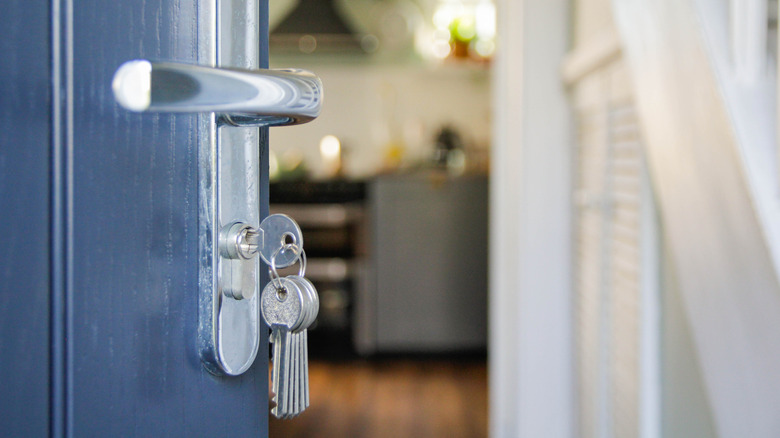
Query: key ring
(300, 255)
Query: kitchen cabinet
(426, 289)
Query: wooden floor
(392, 398)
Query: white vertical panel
(615, 264)
(748, 23)
(589, 264)
(530, 255)
(625, 268)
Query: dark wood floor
(392, 398)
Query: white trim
(592, 55)
(748, 33)
(531, 377)
(650, 319)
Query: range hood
(318, 26)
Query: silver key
(276, 340)
(301, 366)
(289, 306)
(296, 388)
(299, 379)
(305, 362)
(282, 307)
(312, 305)
(292, 401)
(284, 362)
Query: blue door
(99, 211)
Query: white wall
(368, 105)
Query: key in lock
(239, 243)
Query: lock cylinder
(239, 241)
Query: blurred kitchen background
(633, 226)
(394, 82)
(390, 187)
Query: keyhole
(281, 294)
(288, 239)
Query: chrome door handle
(241, 97)
(233, 102)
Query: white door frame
(530, 344)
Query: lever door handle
(241, 97)
(230, 164)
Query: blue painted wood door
(98, 206)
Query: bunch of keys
(289, 306)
